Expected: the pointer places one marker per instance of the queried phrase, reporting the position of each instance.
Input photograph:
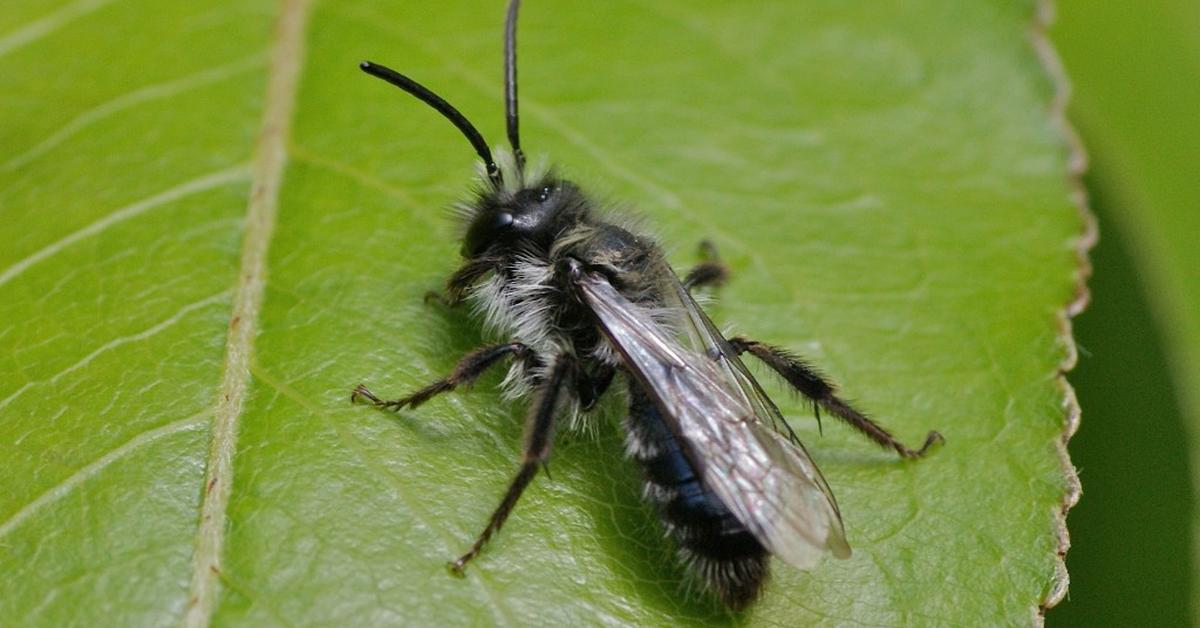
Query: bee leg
(539, 432)
(810, 383)
(462, 280)
(468, 369)
(709, 272)
(590, 387)
(433, 296)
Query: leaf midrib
(267, 171)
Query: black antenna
(442, 107)
(510, 82)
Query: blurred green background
(1135, 67)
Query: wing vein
(726, 424)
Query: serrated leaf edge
(1077, 162)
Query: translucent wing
(717, 410)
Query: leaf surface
(888, 185)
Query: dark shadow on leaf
(629, 529)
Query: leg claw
(457, 568)
(932, 441)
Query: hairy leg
(461, 281)
(709, 272)
(539, 433)
(591, 386)
(812, 384)
(468, 369)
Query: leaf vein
(89, 471)
(122, 340)
(41, 27)
(270, 159)
(131, 99)
(200, 184)
(301, 154)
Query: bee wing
(720, 416)
(703, 336)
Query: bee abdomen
(713, 543)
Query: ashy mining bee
(585, 302)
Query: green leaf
(888, 184)
(1139, 121)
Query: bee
(586, 303)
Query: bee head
(528, 218)
(532, 209)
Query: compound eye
(545, 194)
